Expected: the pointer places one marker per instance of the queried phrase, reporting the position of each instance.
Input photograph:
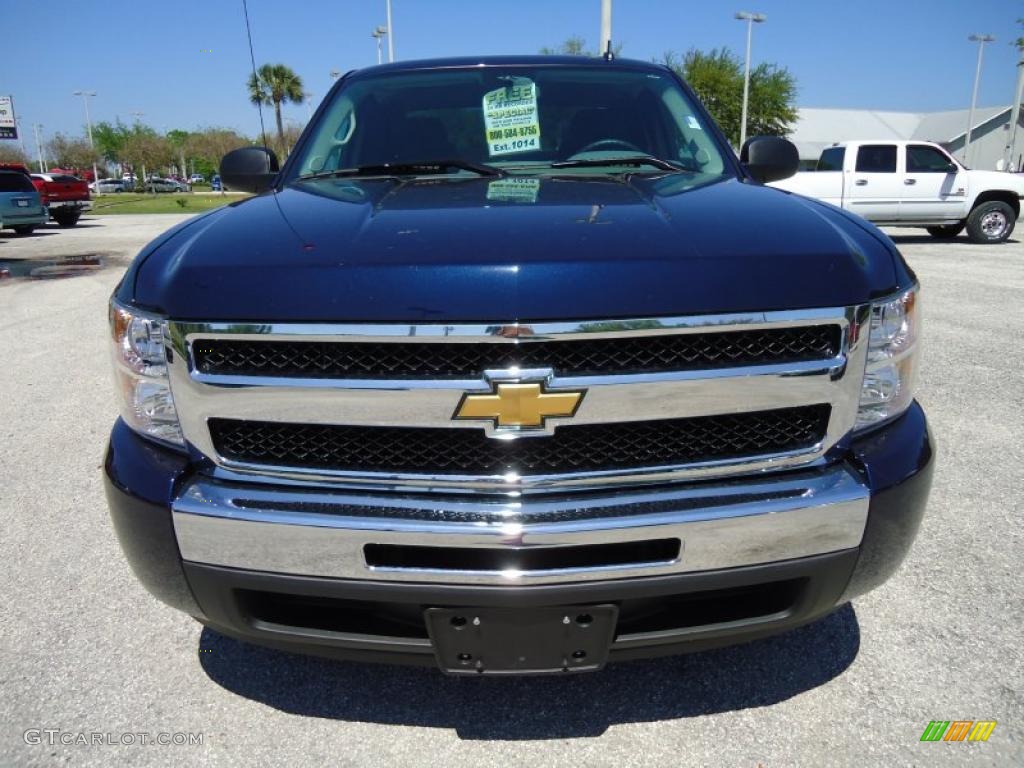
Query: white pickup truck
(914, 184)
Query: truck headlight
(140, 374)
(888, 388)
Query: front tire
(25, 229)
(991, 222)
(946, 231)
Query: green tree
(110, 139)
(147, 151)
(717, 78)
(206, 146)
(178, 140)
(275, 84)
(292, 132)
(71, 152)
(571, 46)
(575, 46)
(12, 153)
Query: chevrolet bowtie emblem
(519, 405)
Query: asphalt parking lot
(83, 648)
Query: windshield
(512, 118)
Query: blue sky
(184, 63)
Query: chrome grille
(666, 399)
(593, 447)
(586, 357)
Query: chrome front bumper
(300, 531)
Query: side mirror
(769, 158)
(250, 169)
(952, 168)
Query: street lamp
(980, 40)
(335, 74)
(88, 122)
(39, 146)
(21, 135)
(1011, 147)
(751, 19)
(390, 32)
(138, 119)
(377, 34)
(606, 27)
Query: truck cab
(913, 184)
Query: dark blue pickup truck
(515, 367)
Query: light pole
(21, 136)
(335, 74)
(138, 118)
(751, 19)
(39, 146)
(391, 32)
(1011, 146)
(606, 27)
(377, 34)
(88, 123)
(980, 40)
(309, 102)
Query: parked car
(21, 206)
(521, 371)
(215, 184)
(914, 184)
(85, 174)
(159, 184)
(107, 186)
(66, 197)
(197, 178)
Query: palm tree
(274, 84)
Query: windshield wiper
(407, 169)
(597, 162)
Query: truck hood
(516, 249)
(980, 181)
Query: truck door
(934, 187)
(876, 189)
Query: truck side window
(831, 159)
(924, 159)
(876, 158)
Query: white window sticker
(692, 122)
(510, 118)
(514, 190)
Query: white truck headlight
(888, 388)
(140, 374)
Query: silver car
(157, 184)
(106, 186)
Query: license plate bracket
(526, 641)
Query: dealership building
(817, 128)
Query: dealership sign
(8, 128)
